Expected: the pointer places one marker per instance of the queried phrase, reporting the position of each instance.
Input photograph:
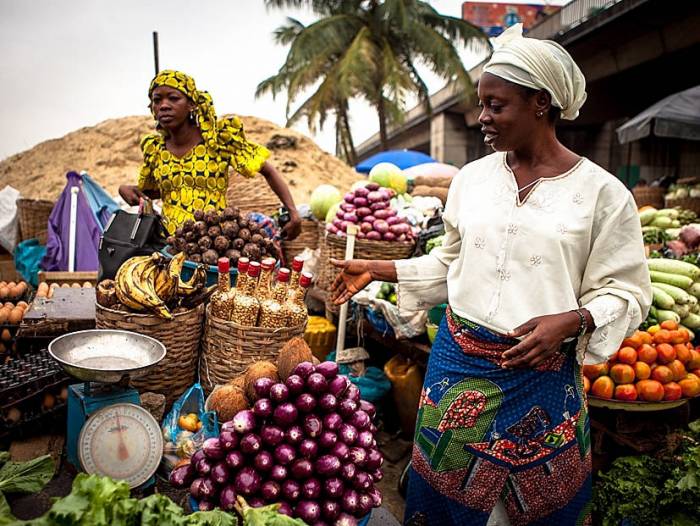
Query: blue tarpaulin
(102, 205)
(401, 158)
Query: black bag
(126, 236)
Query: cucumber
(678, 295)
(693, 300)
(662, 222)
(692, 321)
(695, 309)
(671, 266)
(682, 282)
(681, 310)
(662, 299)
(647, 216)
(669, 212)
(652, 312)
(665, 315)
(695, 289)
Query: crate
(70, 278)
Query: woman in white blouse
(543, 268)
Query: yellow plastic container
(406, 379)
(320, 335)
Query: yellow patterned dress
(199, 179)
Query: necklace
(520, 189)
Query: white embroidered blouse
(575, 241)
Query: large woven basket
(307, 239)
(364, 249)
(321, 281)
(228, 348)
(687, 203)
(251, 194)
(649, 196)
(180, 335)
(34, 218)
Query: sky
(67, 64)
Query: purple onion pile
(307, 443)
(369, 208)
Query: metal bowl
(106, 355)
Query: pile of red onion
(369, 208)
(307, 443)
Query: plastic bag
(28, 255)
(9, 223)
(188, 425)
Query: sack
(126, 236)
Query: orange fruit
(634, 341)
(678, 370)
(622, 373)
(586, 384)
(669, 325)
(627, 355)
(666, 353)
(603, 387)
(682, 353)
(626, 392)
(690, 387)
(676, 337)
(672, 391)
(662, 374)
(650, 390)
(694, 362)
(693, 376)
(594, 371)
(663, 336)
(653, 330)
(685, 334)
(647, 354)
(646, 338)
(642, 371)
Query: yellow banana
(126, 290)
(144, 278)
(194, 284)
(168, 276)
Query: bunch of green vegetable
(676, 289)
(434, 242)
(653, 491)
(22, 477)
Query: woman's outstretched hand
(544, 336)
(354, 276)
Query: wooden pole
(155, 51)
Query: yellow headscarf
(204, 105)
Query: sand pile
(111, 155)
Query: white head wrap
(539, 64)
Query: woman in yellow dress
(187, 163)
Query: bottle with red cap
(264, 288)
(297, 267)
(220, 305)
(246, 306)
(273, 310)
(296, 306)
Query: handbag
(126, 236)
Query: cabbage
(322, 198)
(330, 215)
(381, 173)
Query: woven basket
(308, 238)
(181, 337)
(649, 196)
(251, 194)
(34, 218)
(322, 282)
(364, 249)
(228, 348)
(687, 203)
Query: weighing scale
(109, 433)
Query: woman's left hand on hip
(543, 337)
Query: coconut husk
(430, 191)
(292, 354)
(255, 371)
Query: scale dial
(122, 441)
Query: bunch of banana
(168, 278)
(136, 284)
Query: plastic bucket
(212, 271)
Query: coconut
(244, 234)
(204, 243)
(229, 229)
(192, 248)
(227, 400)
(257, 239)
(238, 243)
(221, 244)
(252, 251)
(106, 293)
(201, 227)
(210, 257)
(239, 381)
(292, 354)
(263, 369)
(214, 231)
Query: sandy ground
(110, 153)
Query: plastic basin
(212, 271)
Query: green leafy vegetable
(265, 515)
(26, 477)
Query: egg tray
(34, 423)
(28, 376)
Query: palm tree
(368, 49)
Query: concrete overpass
(632, 52)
